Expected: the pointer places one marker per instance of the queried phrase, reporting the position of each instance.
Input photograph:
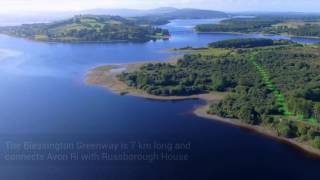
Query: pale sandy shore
(106, 76)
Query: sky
(20, 6)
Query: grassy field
(215, 52)
(295, 24)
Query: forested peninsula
(273, 85)
(304, 26)
(89, 28)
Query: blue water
(44, 99)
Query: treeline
(89, 28)
(242, 25)
(295, 71)
(308, 27)
(311, 30)
(248, 43)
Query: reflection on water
(7, 53)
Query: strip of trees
(306, 26)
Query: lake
(54, 126)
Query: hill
(88, 28)
(194, 14)
(160, 16)
(128, 12)
(163, 18)
(163, 13)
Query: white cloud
(16, 6)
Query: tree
(219, 82)
(285, 129)
(248, 115)
(300, 106)
(316, 111)
(312, 133)
(302, 129)
(316, 142)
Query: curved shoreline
(84, 41)
(106, 76)
(202, 112)
(257, 33)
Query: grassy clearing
(295, 24)
(290, 24)
(215, 52)
(104, 68)
(41, 37)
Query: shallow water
(44, 100)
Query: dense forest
(89, 28)
(243, 25)
(294, 69)
(294, 26)
(249, 43)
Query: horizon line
(146, 9)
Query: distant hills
(164, 11)
(129, 12)
(192, 13)
(164, 14)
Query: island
(304, 26)
(272, 87)
(89, 28)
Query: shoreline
(83, 41)
(257, 33)
(106, 77)
(201, 111)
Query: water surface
(44, 100)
